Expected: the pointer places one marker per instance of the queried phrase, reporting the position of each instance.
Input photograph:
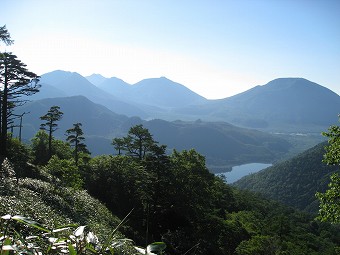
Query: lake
(238, 172)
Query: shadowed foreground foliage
(175, 199)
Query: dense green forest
(293, 182)
(174, 199)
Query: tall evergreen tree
(118, 144)
(51, 117)
(139, 141)
(75, 137)
(15, 83)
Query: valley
(168, 169)
(110, 107)
(169, 128)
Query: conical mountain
(294, 101)
(282, 104)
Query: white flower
(6, 217)
(92, 238)
(79, 231)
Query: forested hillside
(293, 182)
(223, 144)
(175, 199)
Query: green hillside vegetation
(293, 182)
(51, 209)
(175, 199)
(329, 201)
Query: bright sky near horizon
(217, 48)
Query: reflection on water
(238, 172)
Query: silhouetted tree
(75, 138)
(137, 143)
(16, 82)
(51, 117)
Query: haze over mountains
(280, 103)
(223, 144)
(284, 104)
(108, 107)
(73, 84)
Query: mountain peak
(117, 80)
(298, 85)
(55, 77)
(96, 79)
(288, 101)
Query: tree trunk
(76, 151)
(3, 136)
(50, 142)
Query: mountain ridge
(281, 105)
(223, 144)
(74, 84)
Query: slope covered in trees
(175, 199)
(329, 201)
(293, 182)
(223, 144)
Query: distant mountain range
(282, 105)
(108, 107)
(158, 92)
(293, 182)
(222, 144)
(61, 84)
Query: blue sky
(217, 48)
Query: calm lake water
(238, 172)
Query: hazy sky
(217, 48)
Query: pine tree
(16, 83)
(51, 117)
(75, 137)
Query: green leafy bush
(21, 235)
